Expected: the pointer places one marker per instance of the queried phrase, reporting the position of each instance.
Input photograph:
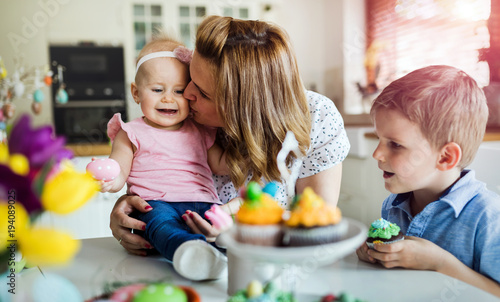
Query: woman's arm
(325, 183)
(121, 224)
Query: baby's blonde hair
(445, 102)
(160, 41)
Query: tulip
(14, 221)
(68, 190)
(19, 188)
(47, 247)
(37, 144)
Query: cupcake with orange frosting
(258, 220)
(312, 221)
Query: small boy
(430, 124)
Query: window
(146, 18)
(404, 35)
(189, 19)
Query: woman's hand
(121, 224)
(200, 226)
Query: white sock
(198, 260)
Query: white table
(103, 260)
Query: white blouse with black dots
(329, 146)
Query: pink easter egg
(126, 293)
(105, 169)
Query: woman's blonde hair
(445, 102)
(258, 93)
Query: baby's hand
(106, 186)
(362, 253)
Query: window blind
(404, 35)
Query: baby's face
(160, 84)
(404, 155)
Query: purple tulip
(19, 188)
(39, 145)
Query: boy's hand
(412, 253)
(362, 253)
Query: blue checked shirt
(465, 221)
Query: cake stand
(249, 262)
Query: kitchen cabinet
(362, 190)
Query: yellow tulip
(19, 164)
(42, 246)
(14, 221)
(4, 153)
(68, 190)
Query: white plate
(323, 254)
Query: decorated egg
(38, 96)
(3, 73)
(126, 293)
(54, 288)
(254, 289)
(270, 188)
(8, 110)
(36, 107)
(18, 89)
(161, 292)
(47, 80)
(62, 96)
(105, 169)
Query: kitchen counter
(90, 149)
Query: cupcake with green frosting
(383, 232)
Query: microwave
(94, 79)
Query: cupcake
(313, 222)
(383, 232)
(258, 220)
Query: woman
(245, 81)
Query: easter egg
(54, 288)
(3, 73)
(253, 191)
(38, 96)
(8, 110)
(47, 80)
(36, 107)
(254, 289)
(270, 188)
(161, 292)
(62, 96)
(104, 169)
(127, 293)
(18, 89)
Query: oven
(94, 80)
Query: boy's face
(159, 86)
(404, 155)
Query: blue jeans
(165, 228)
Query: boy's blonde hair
(447, 103)
(258, 93)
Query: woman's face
(201, 91)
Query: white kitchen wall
(322, 32)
